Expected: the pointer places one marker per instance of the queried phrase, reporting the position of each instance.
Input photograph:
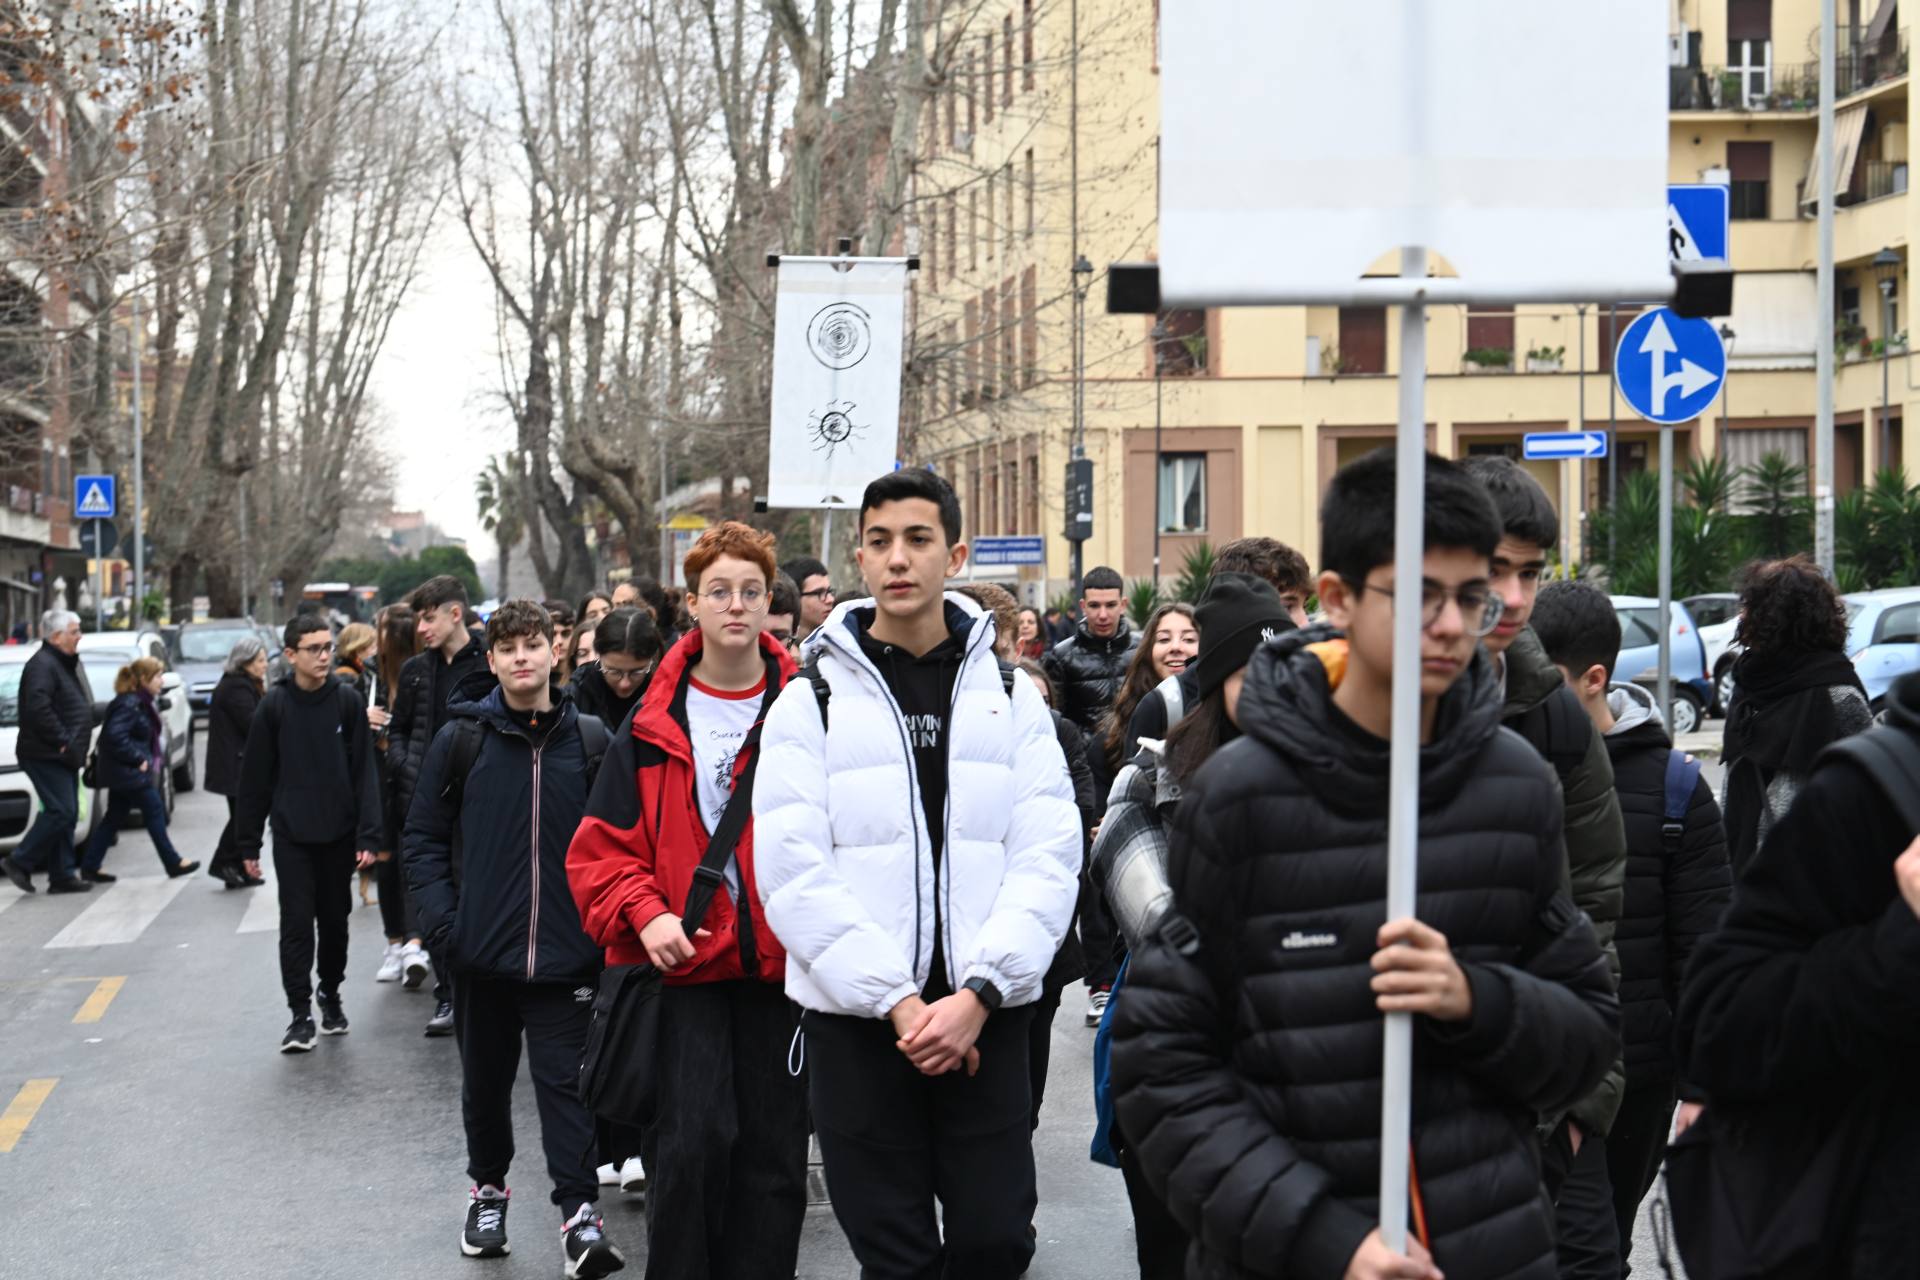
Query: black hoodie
(1248, 1078)
(309, 763)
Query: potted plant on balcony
(1545, 359)
(1489, 359)
(1849, 339)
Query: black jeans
(726, 1155)
(224, 854)
(315, 884)
(491, 1018)
(1583, 1211)
(1159, 1241)
(1634, 1150)
(48, 844)
(393, 898)
(1040, 1046)
(894, 1141)
(1100, 938)
(153, 812)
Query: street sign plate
(93, 498)
(1005, 551)
(1079, 500)
(98, 538)
(1669, 368)
(1567, 444)
(1699, 221)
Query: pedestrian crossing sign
(93, 498)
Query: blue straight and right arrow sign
(1669, 368)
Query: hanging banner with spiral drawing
(838, 334)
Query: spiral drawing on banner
(832, 426)
(840, 335)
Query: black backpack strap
(711, 873)
(1891, 757)
(594, 741)
(822, 692)
(461, 753)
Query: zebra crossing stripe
(120, 913)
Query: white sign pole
(1403, 806)
(1665, 674)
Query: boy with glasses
(815, 588)
(309, 766)
(1246, 1068)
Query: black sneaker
(441, 1023)
(299, 1037)
(18, 874)
(586, 1248)
(333, 1020)
(75, 885)
(486, 1232)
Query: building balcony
(1789, 88)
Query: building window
(991, 238)
(1750, 166)
(952, 361)
(1182, 348)
(1183, 493)
(1749, 76)
(952, 96)
(930, 247)
(1010, 510)
(1009, 333)
(1006, 54)
(993, 499)
(1026, 44)
(1363, 340)
(1006, 187)
(1029, 193)
(989, 346)
(970, 381)
(1029, 327)
(986, 46)
(953, 236)
(1489, 334)
(1030, 496)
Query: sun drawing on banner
(833, 426)
(840, 335)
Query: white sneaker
(633, 1176)
(413, 966)
(389, 964)
(609, 1175)
(1096, 1008)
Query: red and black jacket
(634, 856)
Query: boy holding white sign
(1247, 1074)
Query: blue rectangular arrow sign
(1567, 444)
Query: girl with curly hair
(1795, 691)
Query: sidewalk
(1704, 742)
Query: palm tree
(496, 490)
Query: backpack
(823, 693)
(1891, 757)
(1683, 773)
(469, 733)
(1559, 729)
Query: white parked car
(1717, 616)
(19, 806)
(104, 653)
(1640, 656)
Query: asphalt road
(151, 1128)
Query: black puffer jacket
(429, 685)
(1807, 998)
(1086, 672)
(511, 913)
(1248, 1078)
(1070, 961)
(1674, 896)
(595, 697)
(56, 709)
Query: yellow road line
(95, 1007)
(21, 1111)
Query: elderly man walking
(56, 721)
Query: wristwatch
(989, 994)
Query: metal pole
(100, 558)
(1403, 775)
(1159, 331)
(1886, 354)
(1078, 449)
(1613, 443)
(1576, 540)
(246, 571)
(1665, 678)
(666, 534)
(139, 485)
(1823, 334)
(826, 542)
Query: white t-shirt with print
(718, 722)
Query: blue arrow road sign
(992, 551)
(1669, 368)
(93, 498)
(1567, 444)
(1699, 216)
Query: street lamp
(1159, 368)
(1886, 269)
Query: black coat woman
(132, 757)
(241, 684)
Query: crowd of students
(864, 846)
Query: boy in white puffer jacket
(919, 853)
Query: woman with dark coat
(1795, 691)
(132, 756)
(228, 720)
(626, 644)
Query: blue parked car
(1640, 657)
(1883, 637)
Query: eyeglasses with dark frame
(314, 650)
(1480, 606)
(628, 676)
(818, 593)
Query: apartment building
(1257, 407)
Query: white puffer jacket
(840, 841)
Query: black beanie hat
(1237, 614)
